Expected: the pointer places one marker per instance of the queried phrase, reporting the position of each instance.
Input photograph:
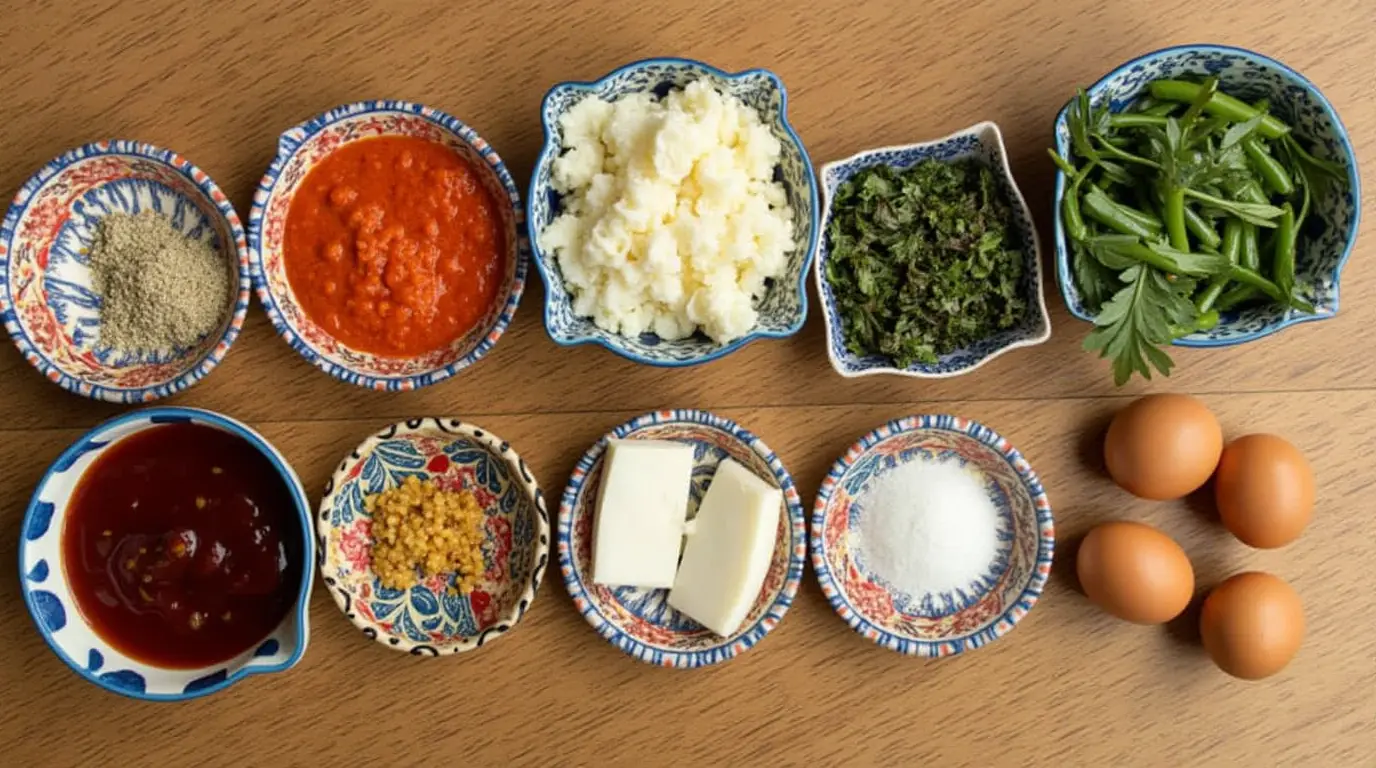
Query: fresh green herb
(923, 261)
(1163, 207)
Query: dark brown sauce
(182, 546)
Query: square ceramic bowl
(783, 307)
(428, 619)
(984, 143)
(1326, 240)
(46, 297)
(47, 591)
(298, 150)
(641, 622)
(943, 623)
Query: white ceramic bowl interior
(57, 616)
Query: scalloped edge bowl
(547, 265)
(1234, 328)
(331, 558)
(984, 141)
(54, 613)
(318, 137)
(148, 381)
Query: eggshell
(1252, 625)
(1163, 446)
(1265, 491)
(1135, 572)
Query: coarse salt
(927, 528)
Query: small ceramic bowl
(298, 150)
(984, 143)
(943, 624)
(46, 296)
(48, 594)
(1326, 240)
(640, 621)
(427, 620)
(782, 309)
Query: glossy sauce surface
(394, 246)
(182, 546)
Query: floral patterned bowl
(46, 296)
(297, 151)
(427, 620)
(43, 577)
(640, 621)
(935, 624)
(1328, 236)
(782, 309)
(984, 143)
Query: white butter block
(640, 513)
(729, 552)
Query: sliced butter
(640, 513)
(729, 551)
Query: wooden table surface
(1070, 686)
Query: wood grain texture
(1070, 686)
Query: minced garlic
(420, 527)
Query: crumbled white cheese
(672, 220)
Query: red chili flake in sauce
(182, 546)
(394, 246)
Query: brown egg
(1252, 625)
(1163, 446)
(1265, 490)
(1135, 572)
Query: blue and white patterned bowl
(782, 309)
(943, 624)
(59, 620)
(46, 296)
(427, 620)
(298, 149)
(640, 621)
(1325, 243)
(984, 143)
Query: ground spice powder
(160, 290)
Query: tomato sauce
(394, 246)
(182, 546)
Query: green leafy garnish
(1137, 321)
(923, 261)
(1162, 210)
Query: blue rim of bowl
(747, 638)
(547, 150)
(830, 315)
(520, 473)
(217, 197)
(287, 145)
(1063, 276)
(1046, 540)
(173, 414)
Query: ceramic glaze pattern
(427, 619)
(299, 149)
(984, 144)
(55, 612)
(1327, 238)
(946, 623)
(784, 306)
(47, 300)
(640, 621)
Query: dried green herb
(923, 261)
